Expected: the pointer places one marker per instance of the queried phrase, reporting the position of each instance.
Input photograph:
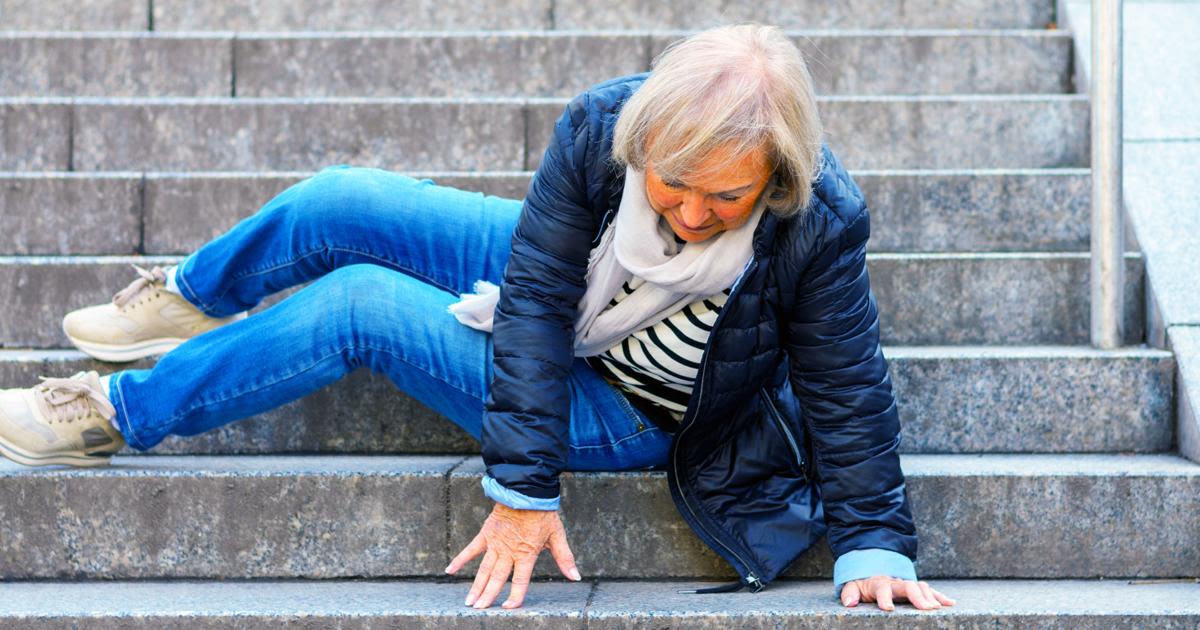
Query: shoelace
(148, 279)
(69, 399)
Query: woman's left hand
(885, 590)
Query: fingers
(500, 573)
(562, 554)
(942, 599)
(520, 582)
(850, 593)
(477, 546)
(883, 594)
(915, 595)
(481, 577)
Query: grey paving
(72, 15)
(1079, 604)
(1098, 605)
(913, 211)
(1184, 341)
(1161, 61)
(354, 15)
(898, 132)
(230, 517)
(1162, 198)
(951, 400)
(48, 121)
(1044, 516)
(144, 64)
(1024, 298)
(70, 213)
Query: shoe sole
(127, 352)
(21, 457)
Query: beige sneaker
(60, 421)
(143, 319)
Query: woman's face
(719, 198)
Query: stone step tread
(491, 133)
(457, 466)
(500, 63)
(591, 604)
(518, 33)
(175, 15)
(321, 516)
(952, 399)
(924, 298)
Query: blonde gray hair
(744, 87)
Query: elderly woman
(683, 288)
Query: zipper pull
(756, 584)
(752, 580)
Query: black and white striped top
(659, 363)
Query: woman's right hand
(513, 540)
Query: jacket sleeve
(524, 435)
(840, 376)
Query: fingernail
(507, 605)
(447, 569)
(575, 574)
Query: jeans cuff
(514, 499)
(122, 415)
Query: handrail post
(1108, 224)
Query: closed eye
(672, 184)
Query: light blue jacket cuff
(865, 563)
(514, 499)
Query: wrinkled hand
(884, 590)
(513, 539)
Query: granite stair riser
(506, 64)
(951, 400)
(324, 516)
(603, 604)
(977, 516)
(355, 15)
(495, 134)
(102, 213)
(923, 298)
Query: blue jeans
(387, 253)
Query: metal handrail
(1108, 222)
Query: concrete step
(958, 299)
(504, 63)
(255, 15)
(175, 213)
(253, 134)
(595, 604)
(952, 399)
(384, 516)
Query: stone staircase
(1041, 471)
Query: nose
(693, 210)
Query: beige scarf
(640, 243)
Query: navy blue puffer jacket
(791, 431)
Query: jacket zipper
(750, 578)
(787, 432)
